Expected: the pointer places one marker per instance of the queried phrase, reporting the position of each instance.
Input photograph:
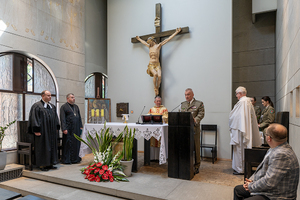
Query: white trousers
(238, 158)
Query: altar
(158, 131)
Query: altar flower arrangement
(105, 167)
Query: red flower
(97, 179)
(96, 170)
(101, 171)
(99, 164)
(109, 173)
(111, 178)
(93, 165)
(105, 167)
(91, 177)
(104, 176)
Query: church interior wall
(253, 52)
(287, 67)
(95, 36)
(200, 59)
(54, 31)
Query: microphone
(177, 106)
(138, 122)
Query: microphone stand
(177, 106)
(138, 122)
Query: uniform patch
(271, 111)
(194, 107)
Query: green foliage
(128, 138)
(2, 132)
(101, 142)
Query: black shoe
(237, 173)
(44, 169)
(51, 167)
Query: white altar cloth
(146, 131)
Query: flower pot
(3, 156)
(128, 166)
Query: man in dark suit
(197, 109)
(277, 176)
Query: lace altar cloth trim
(145, 131)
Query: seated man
(158, 109)
(277, 176)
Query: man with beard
(70, 124)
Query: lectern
(180, 145)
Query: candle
(93, 112)
(97, 112)
(102, 112)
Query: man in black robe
(44, 124)
(70, 124)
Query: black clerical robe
(45, 121)
(71, 121)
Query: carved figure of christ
(154, 68)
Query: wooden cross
(158, 34)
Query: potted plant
(127, 161)
(106, 166)
(3, 154)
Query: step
(140, 186)
(11, 171)
(50, 191)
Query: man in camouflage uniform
(256, 108)
(197, 109)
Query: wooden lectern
(180, 145)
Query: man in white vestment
(243, 128)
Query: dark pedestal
(283, 118)
(180, 145)
(134, 156)
(253, 157)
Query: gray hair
(68, 95)
(241, 89)
(157, 97)
(189, 89)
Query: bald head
(277, 132)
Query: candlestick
(102, 112)
(93, 112)
(97, 112)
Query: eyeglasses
(268, 135)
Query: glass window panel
(86, 108)
(6, 81)
(10, 107)
(90, 87)
(42, 79)
(53, 100)
(29, 75)
(29, 101)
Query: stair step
(50, 191)
(7, 194)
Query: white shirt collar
(45, 104)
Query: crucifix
(154, 68)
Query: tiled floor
(219, 173)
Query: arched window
(23, 78)
(95, 87)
